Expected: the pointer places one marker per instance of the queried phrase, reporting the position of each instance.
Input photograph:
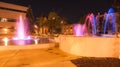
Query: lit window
(3, 19)
(7, 20)
(53, 18)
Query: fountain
(21, 36)
(78, 28)
(21, 39)
(91, 20)
(89, 46)
(110, 22)
(89, 26)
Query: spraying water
(90, 21)
(21, 36)
(20, 29)
(110, 22)
(78, 30)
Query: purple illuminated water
(78, 30)
(20, 30)
(110, 22)
(81, 30)
(21, 36)
(91, 22)
(92, 25)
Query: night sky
(72, 10)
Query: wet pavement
(51, 57)
(35, 58)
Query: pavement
(47, 57)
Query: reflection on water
(33, 41)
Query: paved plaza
(48, 57)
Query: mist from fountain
(78, 30)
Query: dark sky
(70, 9)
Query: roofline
(13, 6)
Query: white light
(4, 20)
(28, 37)
(35, 26)
(5, 41)
(15, 38)
(36, 41)
(61, 22)
(53, 18)
(5, 30)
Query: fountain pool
(22, 39)
(92, 45)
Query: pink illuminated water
(78, 30)
(20, 28)
(81, 30)
(91, 21)
(21, 36)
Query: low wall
(90, 46)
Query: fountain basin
(32, 46)
(90, 46)
(17, 42)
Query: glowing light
(78, 30)
(3, 19)
(35, 26)
(5, 30)
(36, 41)
(5, 41)
(15, 38)
(28, 37)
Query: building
(68, 29)
(9, 14)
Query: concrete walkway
(52, 57)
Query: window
(3, 19)
(7, 20)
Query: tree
(40, 22)
(82, 20)
(116, 5)
(54, 22)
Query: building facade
(68, 29)
(9, 14)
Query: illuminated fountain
(20, 29)
(21, 37)
(90, 23)
(78, 28)
(90, 46)
(110, 23)
(89, 26)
